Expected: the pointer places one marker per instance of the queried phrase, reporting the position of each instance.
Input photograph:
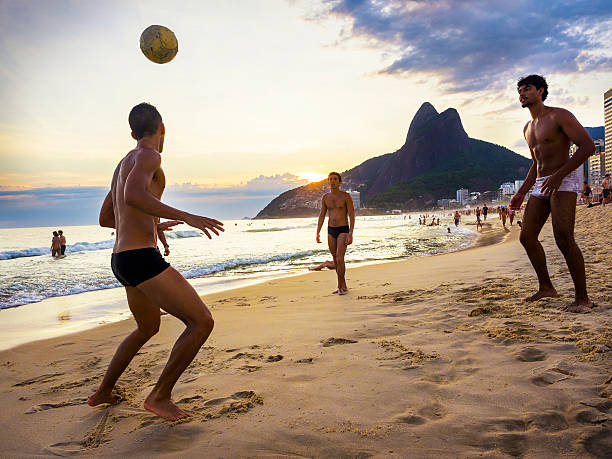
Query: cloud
(481, 44)
(264, 185)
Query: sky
(265, 95)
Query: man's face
(334, 181)
(529, 95)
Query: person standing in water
(339, 204)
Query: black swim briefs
(133, 267)
(335, 231)
(63, 249)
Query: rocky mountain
(437, 158)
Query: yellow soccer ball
(158, 44)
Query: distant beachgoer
(437, 221)
(503, 214)
(326, 264)
(606, 189)
(150, 282)
(339, 234)
(555, 184)
(56, 249)
(62, 241)
(510, 215)
(448, 229)
(485, 211)
(457, 218)
(433, 221)
(478, 221)
(477, 213)
(586, 194)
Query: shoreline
(68, 314)
(427, 357)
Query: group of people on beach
(133, 208)
(58, 244)
(606, 192)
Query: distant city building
(463, 195)
(518, 184)
(608, 130)
(444, 203)
(507, 188)
(356, 197)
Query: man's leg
(176, 296)
(146, 315)
(536, 214)
(563, 211)
(332, 243)
(340, 266)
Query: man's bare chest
(542, 132)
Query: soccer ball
(158, 44)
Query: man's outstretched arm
(137, 195)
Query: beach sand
(428, 357)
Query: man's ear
(162, 128)
(134, 136)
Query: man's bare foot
(342, 291)
(336, 291)
(579, 307)
(99, 398)
(165, 408)
(542, 293)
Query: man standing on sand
(132, 207)
(485, 211)
(339, 234)
(62, 239)
(556, 181)
(457, 218)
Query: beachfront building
(356, 197)
(518, 184)
(608, 130)
(596, 164)
(463, 196)
(507, 189)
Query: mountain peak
(424, 114)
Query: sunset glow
(312, 176)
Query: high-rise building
(507, 188)
(518, 184)
(463, 195)
(608, 130)
(595, 165)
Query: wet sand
(428, 357)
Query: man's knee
(527, 239)
(204, 323)
(148, 331)
(564, 240)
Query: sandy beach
(429, 357)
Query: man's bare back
(133, 208)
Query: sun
(312, 176)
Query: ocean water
(248, 250)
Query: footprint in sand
(547, 422)
(591, 416)
(334, 341)
(308, 360)
(531, 354)
(38, 379)
(274, 358)
(411, 419)
(599, 444)
(49, 406)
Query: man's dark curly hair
(538, 81)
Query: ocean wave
(182, 234)
(240, 262)
(269, 230)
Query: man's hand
(205, 224)
(166, 250)
(167, 226)
(551, 184)
(349, 239)
(517, 201)
(318, 238)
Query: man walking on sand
(132, 207)
(556, 181)
(339, 234)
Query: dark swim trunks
(63, 249)
(335, 231)
(133, 267)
